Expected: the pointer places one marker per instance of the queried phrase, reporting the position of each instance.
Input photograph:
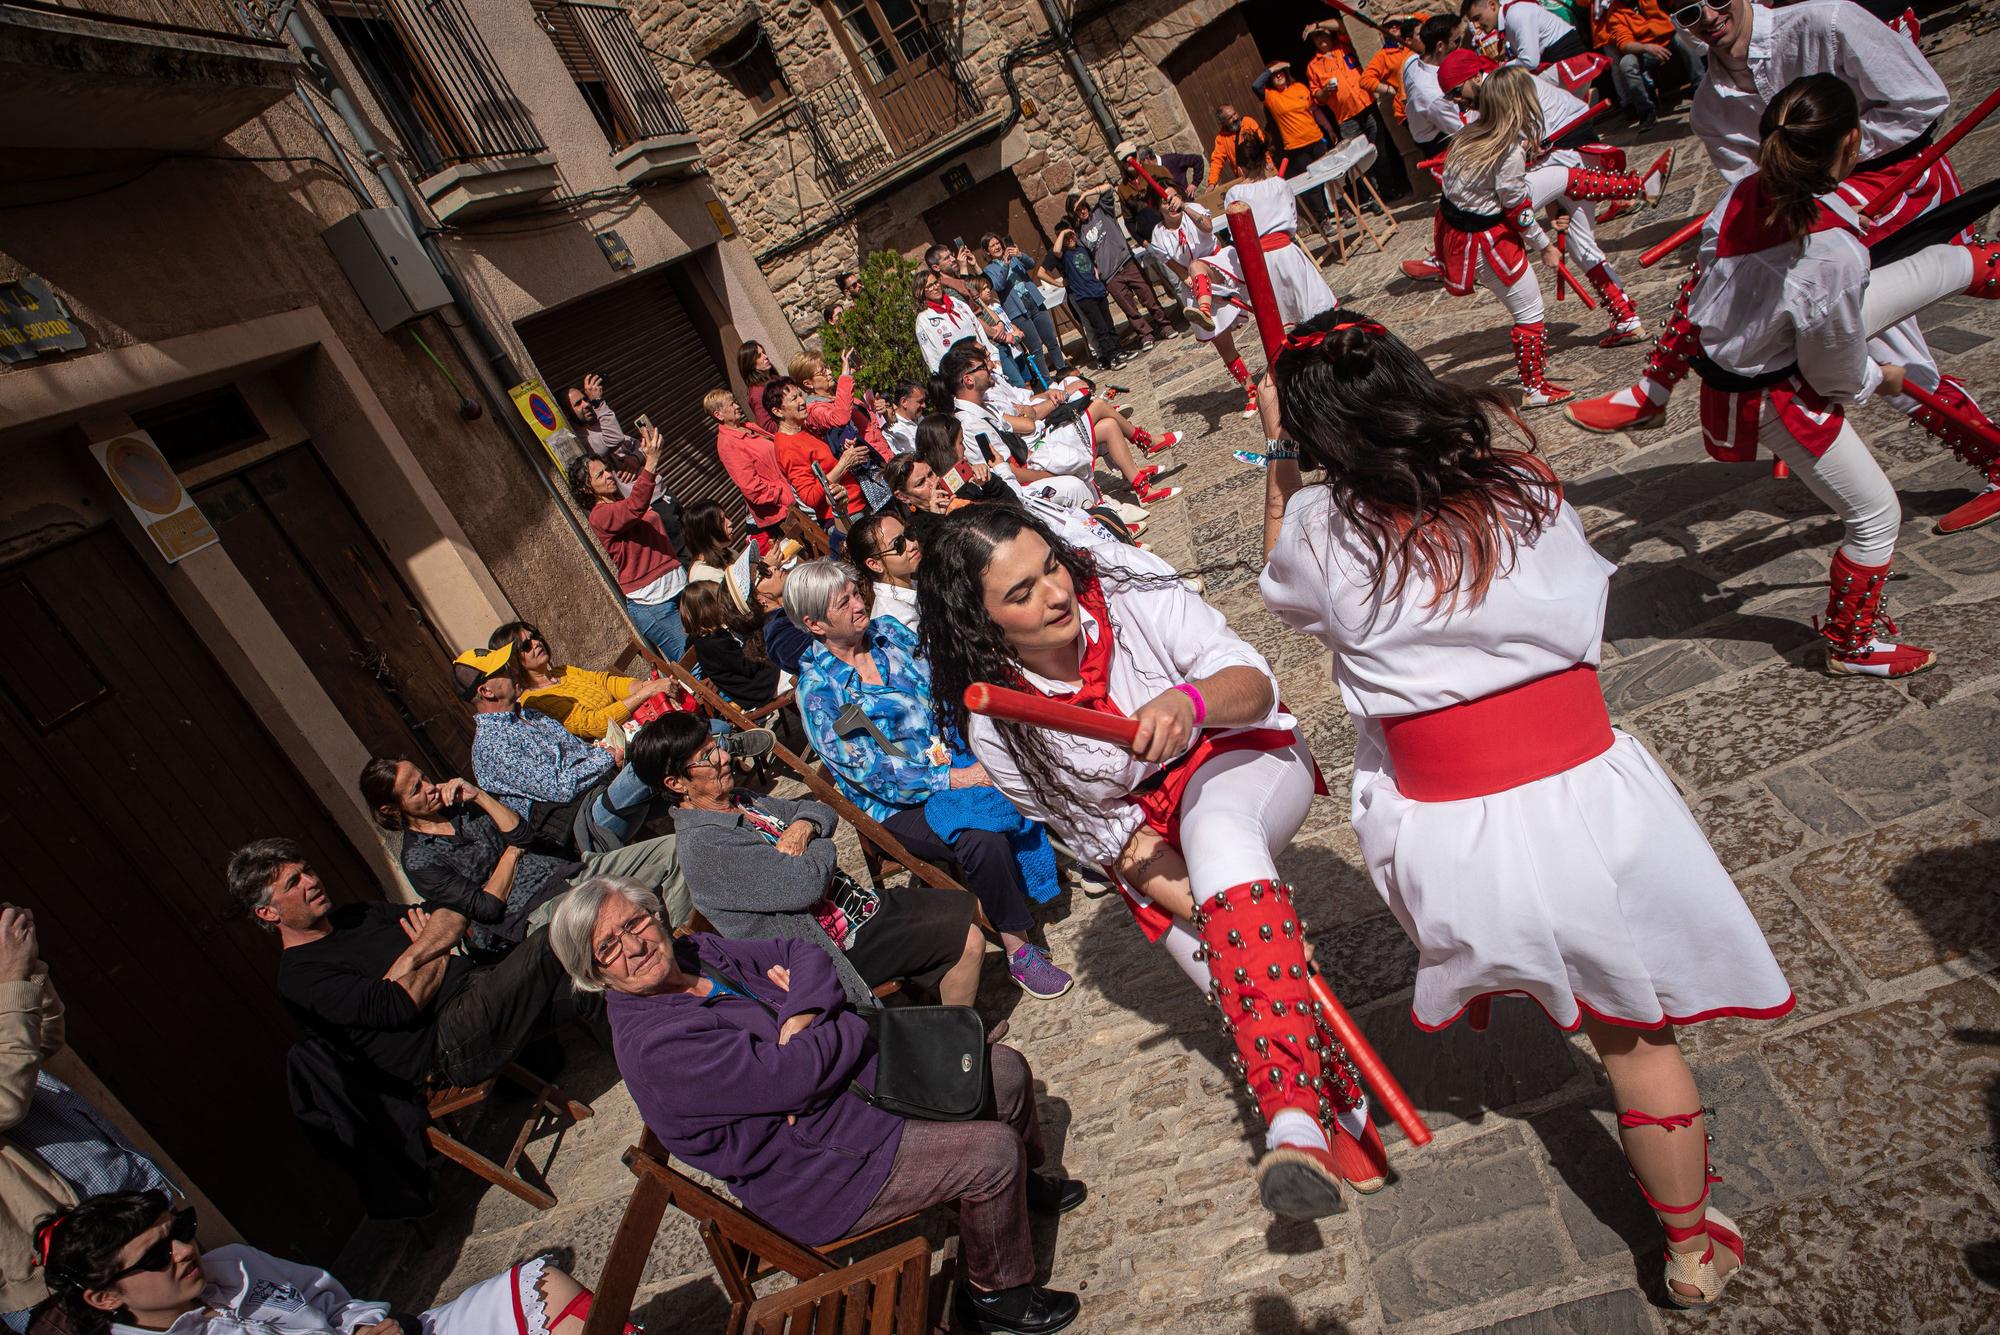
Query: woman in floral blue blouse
(865, 697)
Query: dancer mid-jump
(1523, 844)
(1213, 785)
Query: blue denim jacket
(1014, 280)
(915, 763)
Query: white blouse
(1503, 189)
(1192, 240)
(1165, 636)
(1272, 204)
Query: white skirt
(499, 1303)
(1592, 891)
(1295, 280)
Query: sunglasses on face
(1687, 16)
(161, 1254)
(897, 545)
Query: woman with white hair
(744, 1060)
(865, 696)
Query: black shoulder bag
(930, 1061)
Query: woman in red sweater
(799, 449)
(649, 574)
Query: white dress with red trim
(1295, 280)
(1524, 844)
(1781, 325)
(1187, 243)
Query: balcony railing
(642, 108)
(857, 137)
(433, 74)
(214, 17)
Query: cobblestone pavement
(1856, 1136)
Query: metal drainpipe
(1086, 82)
(499, 365)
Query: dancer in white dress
(1185, 238)
(1191, 814)
(1302, 293)
(1524, 844)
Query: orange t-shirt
(1635, 21)
(1291, 115)
(1387, 68)
(1222, 158)
(1335, 79)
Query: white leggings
(1896, 292)
(1851, 483)
(1547, 183)
(1522, 297)
(1240, 809)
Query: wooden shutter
(641, 338)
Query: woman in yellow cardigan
(585, 702)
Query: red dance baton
(1374, 1071)
(1923, 162)
(1003, 702)
(1562, 274)
(1256, 278)
(1673, 243)
(1570, 125)
(1159, 191)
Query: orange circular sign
(143, 475)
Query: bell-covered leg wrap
(1693, 1278)
(1971, 447)
(1204, 292)
(1856, 627)
(1239, 372)
(1667, 365)
(1531, 359)
(1625, 326)
(1594, 183)
(1254, 945)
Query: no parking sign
(531, 397)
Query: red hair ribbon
(43, 1237)
(1318, 337)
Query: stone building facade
(833, 128)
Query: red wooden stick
(1039, 711)
(1562, 272)
(1159, 191)
(1256, 278)
(1918, 165)
(1673, 243)
(1570, 125)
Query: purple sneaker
(1036, 975)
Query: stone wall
(763, 168)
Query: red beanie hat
(1462, 66)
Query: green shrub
(880, 327)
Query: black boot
(1022, 1310)
(1055, 1195)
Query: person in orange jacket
(1231, 125)
(1640, 38)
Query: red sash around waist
(1270, 241)
(1500, 741)
(1159, 798)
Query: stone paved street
(1862, 820)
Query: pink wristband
(1200, 705)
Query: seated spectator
(757, 369)
(55, 1148)
(589, 704)
(749, 454)
(808, 464)
(784, 643)
(713, 543)
(762, 867)
(650, 573)
(865, 697)
(836, 413)
(741, 1057)
(128, 1261)
(381, 983)
(729, 649)
(1641, 40)
(906, 408)
(884, 558)
(466, 851)
(575, 794)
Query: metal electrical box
(387, 265)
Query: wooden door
(324, 579)
(908, 67)
(1214, 67)
(996, 204)
(130, 769)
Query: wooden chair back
(806, 529)
(551, 1106)
(690, 662)
(886, 1294)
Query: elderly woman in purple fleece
(739, 1055)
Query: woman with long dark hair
(885, 556)
(130, 1261)
(755, 366)
(714, 545)
(1189, 819)
(1523, 844)
(1784, 308)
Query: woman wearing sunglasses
(884, 557)
(587, 703)
(126, 1262)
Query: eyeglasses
(161, 1254)
(1689, 15)
(613, 948)
(713, 756)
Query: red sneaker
(1603, 414)
(1423, 270)
(1299, 1182)
(1981, 509)
(1363, 1163)
(1154, 495)
(1159, 444)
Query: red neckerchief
(1747, 226)
(1094, 692)
(941, 307)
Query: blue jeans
(621, 808)
(660, 623)
(1038, 334)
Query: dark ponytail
(1804, 131)
(78, 1251)
(1252, 153)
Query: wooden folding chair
(743, 1247)
(806, 530)
(886, 1294)
(756, 716)
(550, 1106)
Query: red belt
(1500, 741)
(1275, 240)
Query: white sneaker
(1127, 511)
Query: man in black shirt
(380, 982)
